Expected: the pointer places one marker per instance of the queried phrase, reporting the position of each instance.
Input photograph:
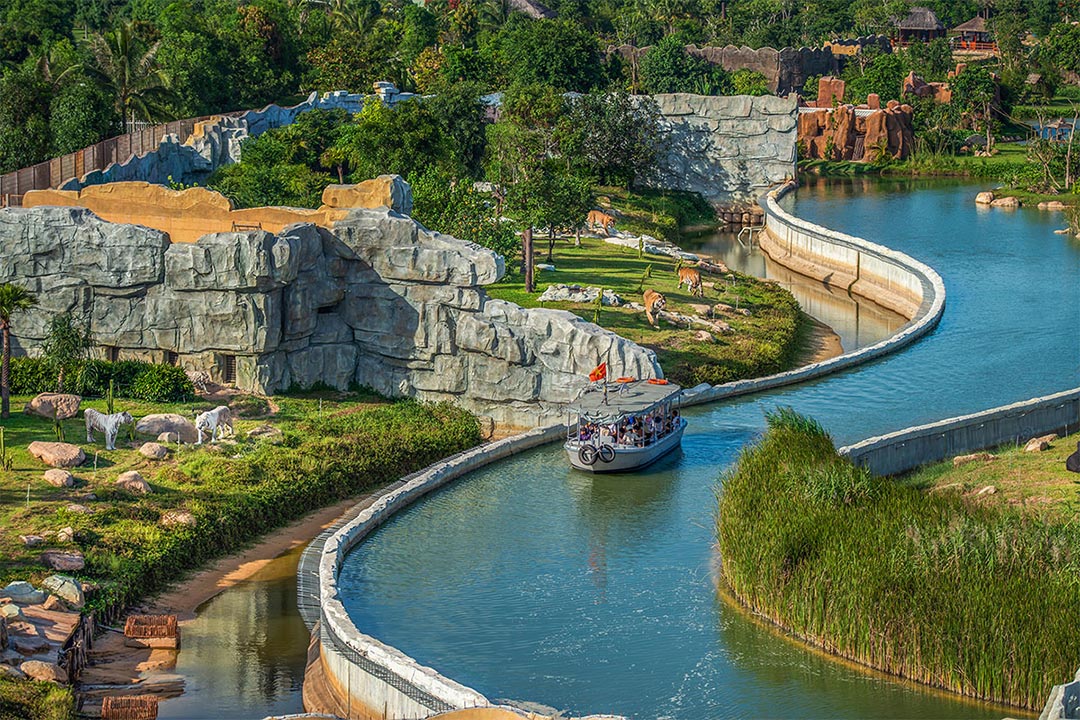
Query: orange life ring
(624, 379)
(658, 381)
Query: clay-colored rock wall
(842, 134)
(187, 215)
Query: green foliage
(559, 53)
(1060, 49)
(668, 68)
(66, 345)
(749, 82)
(932, 61)
(162, 383)
(910, 582)
(882, 73)
(33, 700)
(613, 137)
(95, 378)
(24, 125)
(453, 206)
(80, 115)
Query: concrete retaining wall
(907, 449)
(374, 679)
(885, 272)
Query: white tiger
(108, 424)
(213, 420)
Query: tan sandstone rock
(984, 198)
(133, 482)
(973, 457)
(1038, 444)
(1006, 203)
(44, 671)
(155, 425)
(54, 406)
(154, 451)
(59, 477)
(57, 454)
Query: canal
(531, 582)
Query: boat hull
(627, 459)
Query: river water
(533, 582)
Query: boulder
(54, 406)
(988, 490)
(44, 671)
(168, 438)
(78, 509)
(973, 457)
(29, 644)
(65, 561)
(12, 672)
(154, 451)
(1051, 205)
(984, 198)
(66, 588)
(23, 593)
(10, 612)
(133, 482)
(173, 518)
(267, 434)
(1038, 444)
(58, 477)
(1006, 203)
(57, 454)
(578, 294)
(31, 540)
(66, 534)
(178, 425)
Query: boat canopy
(626, 398)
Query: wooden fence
(74, 652)
(53, 173)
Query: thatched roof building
(920, 24)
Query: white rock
(133, 482)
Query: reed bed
(979, 600)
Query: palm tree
(130, 74)
(13, 299)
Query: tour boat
(624, 426)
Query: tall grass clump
(977, 599)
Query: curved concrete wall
(884, 273)
(373, 679)
(911, 447)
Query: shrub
(162, 383)
(30, 700)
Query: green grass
(1034, 482)
(331, 450)
(29, 700)
(1009, 157)
(977, 598)
(659, 213)
(767, 341)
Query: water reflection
(859, 322)
(244, 654)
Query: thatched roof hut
(920, 24)
(974, 30)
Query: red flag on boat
(598, 373)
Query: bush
(29, 700)
(162, 383)
(131, 378)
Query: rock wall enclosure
(377, 300)
(731, 150)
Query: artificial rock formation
(844, 134)
(376, 300)
(731, 150)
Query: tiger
(654, 303)
(692, 278)
(598, 217)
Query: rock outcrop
(177, 427)
(376, 300)
(843, 133)
(54, 406)
(57, 454)
(729, 149)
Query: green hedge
(29, 700)
(239, 497)
(976, 599)
(131, 378)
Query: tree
(66, 346)
(975, 95)
(13, 300)
(454, 206)
(668, 68)
(129, 73)
(749, 82)
(612, 136)
(1061, 48)
(80, 115)
(24, 124)
(558, 53)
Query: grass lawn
(766, 341)
(1034, 482)
(332, 446)
(659, 213)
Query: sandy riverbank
(822, 344)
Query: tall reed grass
(980, 600)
